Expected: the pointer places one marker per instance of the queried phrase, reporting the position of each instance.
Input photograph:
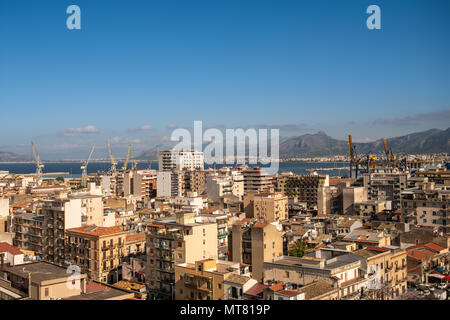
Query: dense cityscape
(221, 158)
(183, 232)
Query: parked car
(426, 292)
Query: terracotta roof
(135, 236)
(277, 286)
(289, 293)
(260, 225)
(379, 249)
(6, 247)
(420, 254)
(256, 290)
(434, 247)
(95, 287)
(97, 231)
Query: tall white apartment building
(180, 160)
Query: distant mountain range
(12, 157)
(322, 145)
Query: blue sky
(137, 69)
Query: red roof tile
(6, 247)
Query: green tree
(61, 179)
(298, 250)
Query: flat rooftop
(40, 271)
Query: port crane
(133, 162)
(369, 161)
(125, 164)
(111, 156)
(37, 160)
(85, 163)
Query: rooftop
(93, 230)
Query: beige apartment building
(41, 281)
(96, 250)
(256, 180)
(303, 186)
(203, 280)
(140, 183)
(59, 215)
(386, 270)
(175, 240)
(256, 243)
(268, 207)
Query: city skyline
(134, 73)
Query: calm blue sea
(74, 170)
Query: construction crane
(133, 161)
(37, 160)
(386, 150)
(85, 163)
(111, 156)
(125, 164)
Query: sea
(333, 169)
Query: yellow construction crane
(386, 150)
(350, 145)
(125, 164)
(111, 156)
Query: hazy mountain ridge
(322, 145)
(11, 157)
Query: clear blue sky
(302, 66)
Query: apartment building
(190, 203)
(28, 232)
(175, 240)
(428, 205)
(180, 160)
(424, 259)
(268, 207)
(40, 281)
(220, 186)
(193, 181)
(368, 208)
(256, 243)
(303, 186)
(256, 180)
(338, 267)
(221, 219)
(168, 184)
(59, 215)
(204, 280)
(366, 237)
(96, 250)
(439, 176)
(386, 271)
(140, 183)
(386, 184)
